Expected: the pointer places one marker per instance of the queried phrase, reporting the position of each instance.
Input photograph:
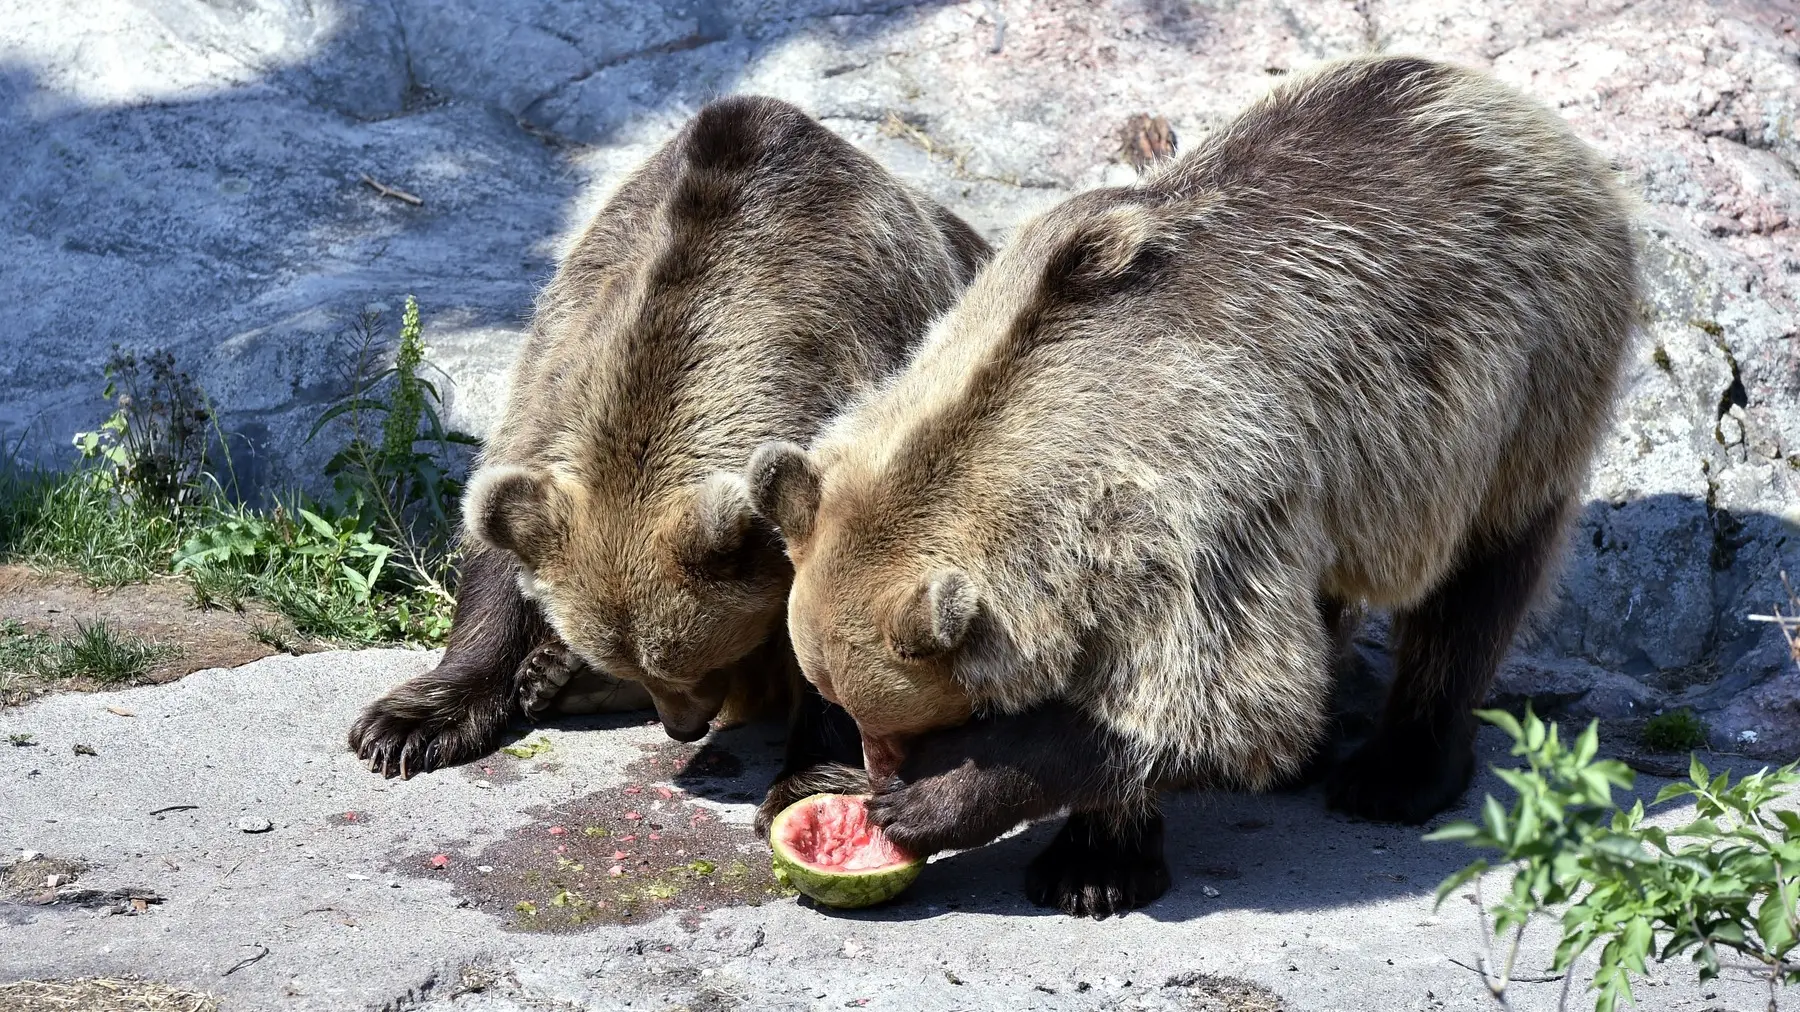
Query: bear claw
(405, 733)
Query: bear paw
(428, 724)
(543, 674)
(1089, 871)
(1406, 778)
(964, 808)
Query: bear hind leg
(1446, 650)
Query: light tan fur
(1371, 323)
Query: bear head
(879, 628)
(672, 592)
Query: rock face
(190, 175)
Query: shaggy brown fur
(1356, 347)
(754, 277)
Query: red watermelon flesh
(832, 833)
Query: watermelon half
(826, 847)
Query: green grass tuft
(1676, 731)
(74, 520)
(112, 656)
(274, 634)
(95, 650)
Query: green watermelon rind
(846, 890)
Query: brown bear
(1355, 349)
(754, 277)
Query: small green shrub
(1675, 731)
(152, 448)
(369, 563)
(1726, 882)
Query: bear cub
(1099, 539)
(755, 276)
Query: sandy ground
(343, 895)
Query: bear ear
(784, 488)
(935, 617)
(515, 509)
(715, 538)
(1104, 249)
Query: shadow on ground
(674, 839)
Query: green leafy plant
(323, 574)
(153, 445)
(118, 515)
(396, 471)
(1675, 731)
(1721, 886)
(368, 563)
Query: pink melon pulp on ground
(826, 847)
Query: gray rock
(254, 824)
(188, 175)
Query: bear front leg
(965, 786)
(824, 756)
(459, 710)
(1101, 863)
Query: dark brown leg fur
(1445, 652)
(1101, 863)
(824, 755)
(964, 787)
(458, 711)
(1341, 622)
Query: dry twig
(388, 191)
(993, 12)
(248, 960)
(1548, 978)
(98, 994)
